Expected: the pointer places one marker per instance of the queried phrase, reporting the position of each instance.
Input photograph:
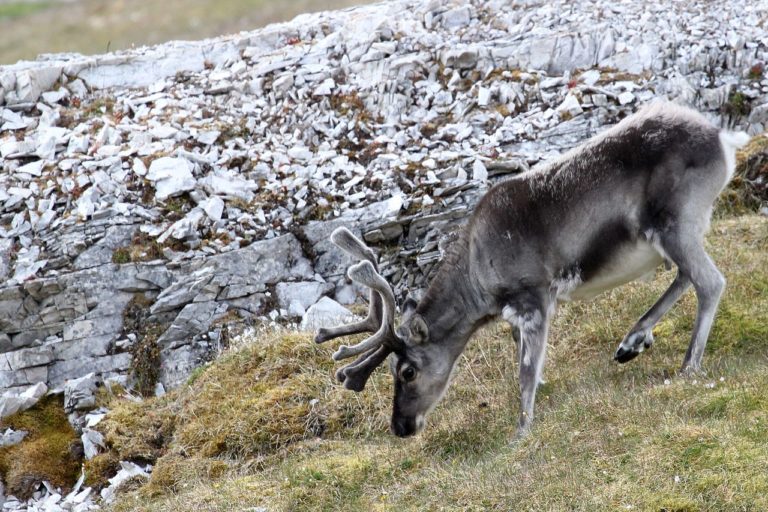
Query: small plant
(176, 204)
(756, 71)
(100, 469)
(738, 105)
(145, 363)
(234, 131)
(99, 107)
(344, 103)
(144, 248)
(121, 255)
(240, 204)
(428, 129)
(503, 110)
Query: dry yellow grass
(748, 189)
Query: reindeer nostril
(403, 427)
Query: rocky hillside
(151, 198)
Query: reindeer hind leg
(687, 251)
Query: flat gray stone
(12, 402)
(79, 394)
(171, 176)
(27, 358)
(192, 320)
(325, 313)
(9, 438)
(304, 293)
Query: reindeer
(604, 214)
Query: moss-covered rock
(100, 469)
(52, 450)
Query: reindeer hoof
(521, 432)
(633, 345)
(690, 371)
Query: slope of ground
(96, 26)
(266, 426)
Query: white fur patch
(654, 239)
(636, 341)
(563, 287)
(731, 141)
(629, 264)
(527, 321)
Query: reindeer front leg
(641, 335)
(533, 324)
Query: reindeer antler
(380, 319)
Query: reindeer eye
(408, 374)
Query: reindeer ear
(419, 332)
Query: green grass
(14, 10)
(244, 433)
(97, 26)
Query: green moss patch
(51, 451)
(100, 469)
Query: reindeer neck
(452, 308)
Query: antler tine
(353, 246)
(365, 274)
(356, 375)
(381, 315)
(349, 243)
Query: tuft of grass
(268, 403)
(145, 360)
(738, 105)
(99, 107)
(121, 255)
(51, 451)
(14, 10)
(756, 71)
(251, 404)
(100, 469)
(265, 425)
(145, 353)
(749, 187)
(139, 431)
(176, 472)
(142, 248)
(176, 207)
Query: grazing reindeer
(602, 215)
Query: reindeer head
(421, 369)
